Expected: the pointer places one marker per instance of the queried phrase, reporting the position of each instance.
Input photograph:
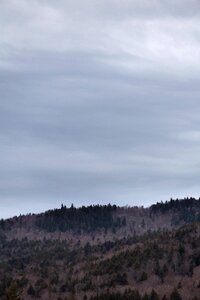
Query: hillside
(103, 252)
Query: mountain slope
(78, 253)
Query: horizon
(101, 204)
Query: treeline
(84, 219)
(187, 209)
(175, 204)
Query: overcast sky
(99, 102)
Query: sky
(99, 102)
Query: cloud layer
(99, 102)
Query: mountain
(103, 253)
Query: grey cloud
(99, 102)
(137, 9)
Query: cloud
(98, 102)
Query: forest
(98, 257)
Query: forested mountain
(103, 253)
